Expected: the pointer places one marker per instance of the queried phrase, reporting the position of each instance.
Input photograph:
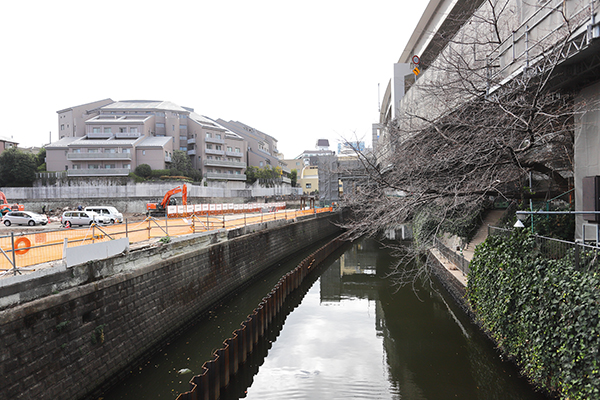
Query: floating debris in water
(184, 371)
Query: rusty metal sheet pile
(227, 360)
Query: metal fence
(23, 251)
(583, 256)
(457, 259)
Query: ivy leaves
(543, 313)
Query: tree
(466, 133)
(266, 176)
(41, 160)
(17, 168)
(294, 177)
(143, 170)
(181, 162)
(251, 174)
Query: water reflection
(356, 336)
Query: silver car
(24, 218)
(70, 218)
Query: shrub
(143, 170)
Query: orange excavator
(5, 206)
(160, 208)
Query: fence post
(65, 245)
(126, 229)
(12, 239)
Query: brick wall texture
(69, 344)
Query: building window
(260, 163)
(110, 150)
(237, 172)
(143, 152)
(209, 146)
(182, 148)
(96, 129)
(133, 129)
(75, 166)
(208, 135)
(173, 128)
(93, 166)
(229, 149)
(218, 136)
(127, 166)
(93, 151)
(76, 150)
(218, 147)
(109, 166)
(128, 151)
(107, 130)
(62, 127)
(182, 126)
(237, 150)
(160, 125)
(308, 186)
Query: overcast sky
(296, 70)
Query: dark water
(349, 335)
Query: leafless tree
(467, 134)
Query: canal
(349, 334)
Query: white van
(107, 211)
(71, 218)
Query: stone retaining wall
(113, 313)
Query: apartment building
(261, 149)
(108, 138)
(215, 150)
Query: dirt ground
(54, 224)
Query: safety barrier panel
(226, 362)
(20, 252)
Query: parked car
(70, 218)
(24, 218)
(111, 212)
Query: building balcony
(191, 152)
(215, 152)
(191, 140)
(100, 135)
(214, 140)
(285, 179)
(234, 154)
(168, 159)
(98, 156)
(224, 163)
(99, 172)
(229, 177)
(121, 135)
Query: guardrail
(584, 256)
(457, 259)
(21, 252)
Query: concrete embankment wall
(132, 197)
(112, 313)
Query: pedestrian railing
(583, 255)
(19, 252)
(455, 258)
